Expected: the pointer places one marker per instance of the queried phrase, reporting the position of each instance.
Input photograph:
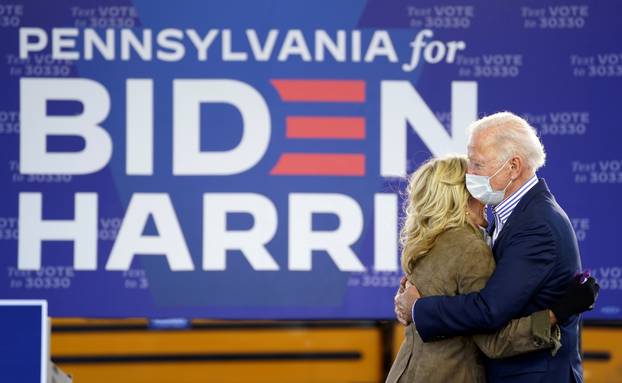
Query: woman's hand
(403, 282)
(400, 291)
(404, 300)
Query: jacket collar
(540, 187)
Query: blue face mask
(480, 188)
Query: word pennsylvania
(173, 44)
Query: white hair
(512, 135)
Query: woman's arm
(519, 336)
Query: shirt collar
(504, 209)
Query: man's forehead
(479, 143)
(474, 156)
(474, 145)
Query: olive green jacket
(459, 263)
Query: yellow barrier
(219, 352)
(122, 351)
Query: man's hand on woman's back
(579, 297)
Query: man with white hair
(535, 250)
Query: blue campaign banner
(247, 159)
(24, 350)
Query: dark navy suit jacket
(536, 254)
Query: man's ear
(516, 167)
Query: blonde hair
(513, 136)
(437, 200)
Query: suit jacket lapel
(538, 188)
(503, 231)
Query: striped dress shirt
(503, 210)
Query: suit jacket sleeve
(527, 260)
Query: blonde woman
(444, 250)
